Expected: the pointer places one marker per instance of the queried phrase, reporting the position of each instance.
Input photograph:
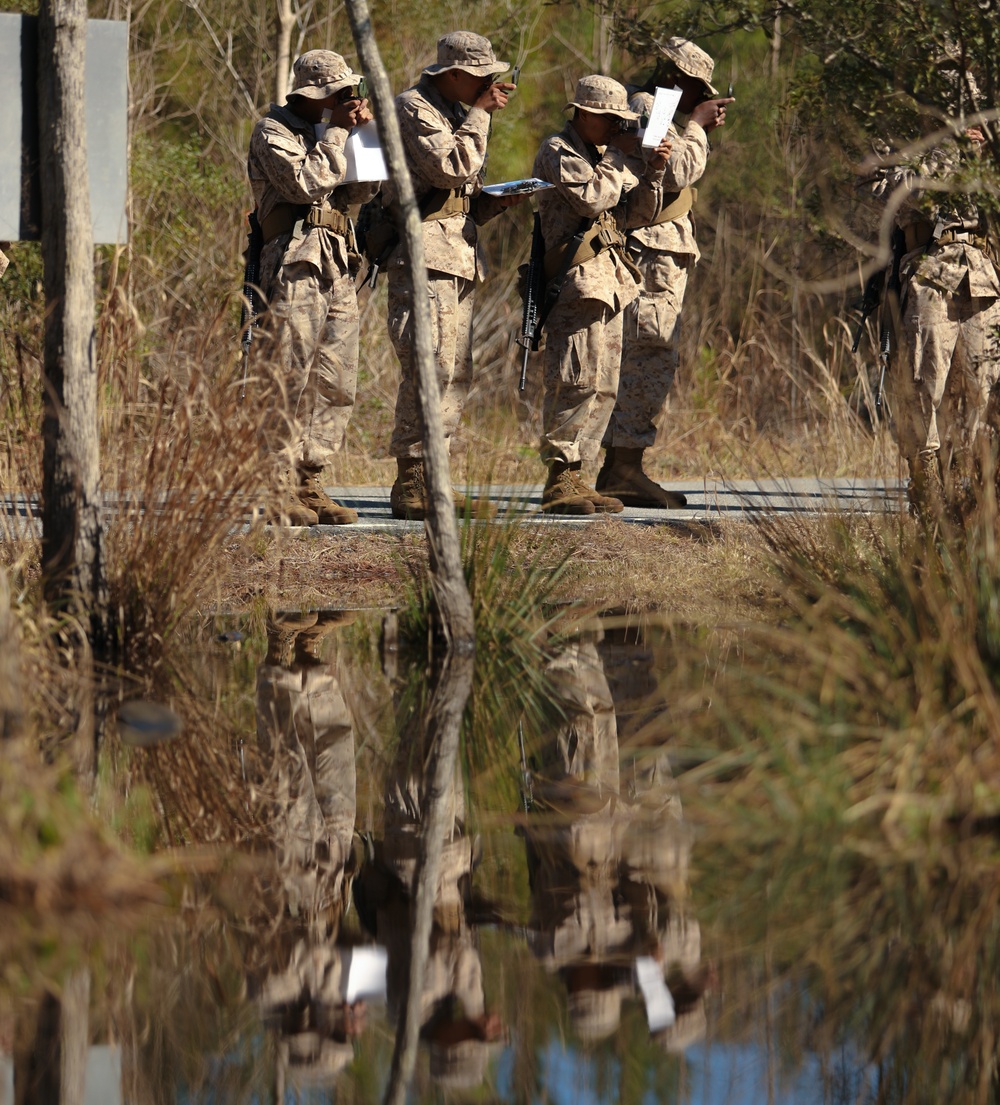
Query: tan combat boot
(312, 496)
(284, 508)
(308, 643)
(603, 504)
(565, 492)
(925, 488)
(408, 497)
(622, 476)
(283, 629)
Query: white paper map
(364, 976)
(661, 116)
(365, 160)
(659, 1001)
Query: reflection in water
(453, 1020)
(306, 740)
(608, 860)
(563, 955)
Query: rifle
(891, 306)
(870, 299)
(527, 793)
(377, 235)
(534, 289)
(252, 301)
(552, 287)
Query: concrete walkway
(710, 500)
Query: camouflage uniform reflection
(665, 251)
(454, 1021)
(445, 146)
(608, 858)
(306, 740)
(947, 361)
(307, 276)
(583, 332)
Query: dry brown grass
(699, 573)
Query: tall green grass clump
(877, 697)
(515, 582)
(848, 793)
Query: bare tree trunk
(604, 44)
(776, 44)
(454, 607)
(286, 21)
(50, 1050)
(444, 722)
(11, 710)
(72, 564)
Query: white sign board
(107, 128)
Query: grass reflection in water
(822, 916)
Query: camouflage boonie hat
(459, 1066)
(319, 73)
(594, 1014)
(689, 59)
(603, 96)
(467, 51)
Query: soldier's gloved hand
(710, 114)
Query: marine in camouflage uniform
(445, 146)
(665, 252)
(306, 738)
(307, 277)
(946, 365)
(597, 194)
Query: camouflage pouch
(375, 231)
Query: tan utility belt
(920, 235)
(679, 203)
(968, 237)
(451, 202)
(604, 235)
(284, 216)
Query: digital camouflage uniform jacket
(287, 164)
(927, 216)
(686, 166)
(589, 181)
(445, 148)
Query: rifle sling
(593, 237)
